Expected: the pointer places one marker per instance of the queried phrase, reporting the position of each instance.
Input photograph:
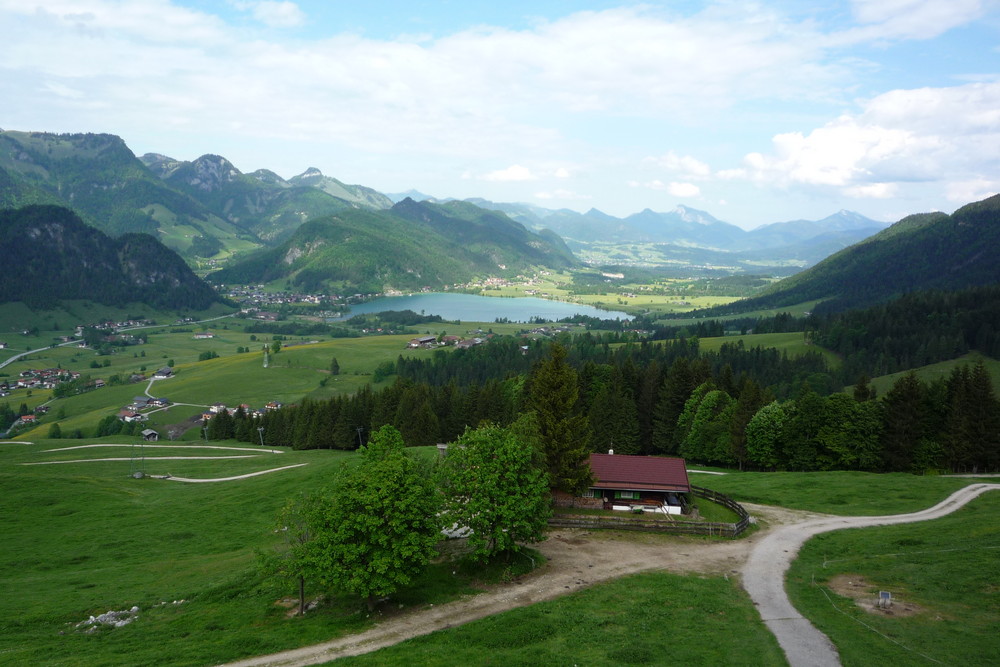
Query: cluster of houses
(133, 411)
(46, 378)
(113, 326)
(253, 298)
(428, 342)
(219, 408)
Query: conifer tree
(564, 434)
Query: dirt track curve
(764, 575)
(577, 559)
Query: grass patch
(940, 371)
(838, 492)
(947, 566)
(81, 539)
(652, 618)
(793, 343)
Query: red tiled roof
(649, 473)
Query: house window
(589, 493)
(627, 495)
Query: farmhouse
(423, 341)
(164, 372)
(623, 482)
(150, 435)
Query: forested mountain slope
(410, 246)
(51, 254)
(922, 252)
(260, 202)
(109, 188)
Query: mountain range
(206, 209)
(411, 245)
(930, 251)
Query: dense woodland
(750, 408)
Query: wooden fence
(709, 528)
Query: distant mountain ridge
(410, 246)
(930, 251)
(209, 211)
(261, 202)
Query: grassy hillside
(942, 575)
(794, 344)
(103, 181)
(408, 247)
(84, 538)
(941, 371)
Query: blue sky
(755, 112)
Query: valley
(272, 328)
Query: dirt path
(575, 559)
(764, 575)
(197, 480)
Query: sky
(755, 112)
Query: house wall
(563, 499)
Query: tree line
(750, 408)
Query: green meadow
(941, 371)
(792, 343)
(83, 537)
(643, 619)
(945, 571)
(835, 492)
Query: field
(942, 575)
(941, 371)
(232, 378)
(794, 344)
(86, 538)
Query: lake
(475, 308)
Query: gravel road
(769, 560)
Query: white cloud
(561, 172)
(962, 192)
(909, 19)
(273, 13)
(927, 135)
(515, 172)
(684, 189)
(674, 188)
(873, 191)
(683, 164)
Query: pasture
(84, 538)
(942, 575)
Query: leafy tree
(379, 530)
(708, 438)
(496, 485)
(765, 435)
(55, 431)
(851, 432)
(564, 434)
(276, 347)
(296, 558)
